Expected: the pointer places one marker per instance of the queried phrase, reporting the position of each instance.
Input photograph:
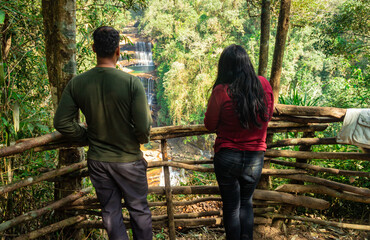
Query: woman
(238, 110)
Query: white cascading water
(144, 57)
(148, 85)
(143, 54)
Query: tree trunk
(60, 44)
(281, 36)
(265, 35)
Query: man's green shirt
(116, 111)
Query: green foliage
(24, 83)
(190, 41)
(2, 16)
(295, 98)
(346, 31)
(191, 35)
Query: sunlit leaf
(2, 16)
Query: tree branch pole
(328, 183)
(42, 177)
(178, 131)
(322, 169)
(325, 223)
(30, 143)
(317, 155)
(51, 228)
(318, 189)
(36, 213)
(178, 222)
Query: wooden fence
(286, 119)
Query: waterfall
(149, 89)
(143, 54)
(144, 57)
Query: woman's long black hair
(245, 89)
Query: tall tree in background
(281, 36)
(265, 35)
(60, 42)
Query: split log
(42, 177)
(311, 128)
(321, 169)
(317, 155)
(302, 141)
(36, 213)
(328, 183)
(325, 223)
(296, 188)
(304, 201)
(52, 228)
(305, 119)
(281, 109)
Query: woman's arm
(212, 115)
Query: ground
(294, 231)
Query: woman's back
(222, 117)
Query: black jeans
(112, 181)
(238, 173)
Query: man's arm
(65, 117)
(141, 116)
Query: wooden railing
(286, 119)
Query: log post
(303, 148)
(168, 190)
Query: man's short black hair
(106, 41)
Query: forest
(325, 64)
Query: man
(118, 120)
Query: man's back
(116, 111)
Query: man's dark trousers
(112, 181)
